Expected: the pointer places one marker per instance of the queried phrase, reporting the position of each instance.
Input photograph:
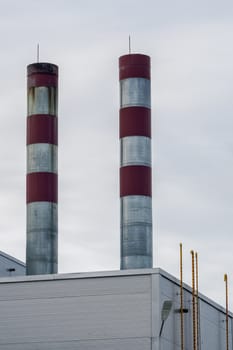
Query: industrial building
(10, 266)
(106, 311)
(136, 308)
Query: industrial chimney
(135, 162)
(42, 216)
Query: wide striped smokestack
(135, 162)
(42, 216)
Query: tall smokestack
(42, 216)
(135, 162)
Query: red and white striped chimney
(135, 162)
(42, 216)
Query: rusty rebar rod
(194, 302)
(181, 300)
(227, 330)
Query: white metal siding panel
(6, 264)
(170, 345)
(108, 344)
(213, 328)
(171, 330)
(212, 321)
(88, 310)
(75, 287)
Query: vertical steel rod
(181, 300)
(226, 287)
(193, 302)
(197, 300)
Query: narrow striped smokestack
(42, 216)
(135, 162)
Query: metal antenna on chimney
(129, 45)
(38, 52)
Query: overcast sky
(190, 44)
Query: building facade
(10, 266)
(106, 311)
